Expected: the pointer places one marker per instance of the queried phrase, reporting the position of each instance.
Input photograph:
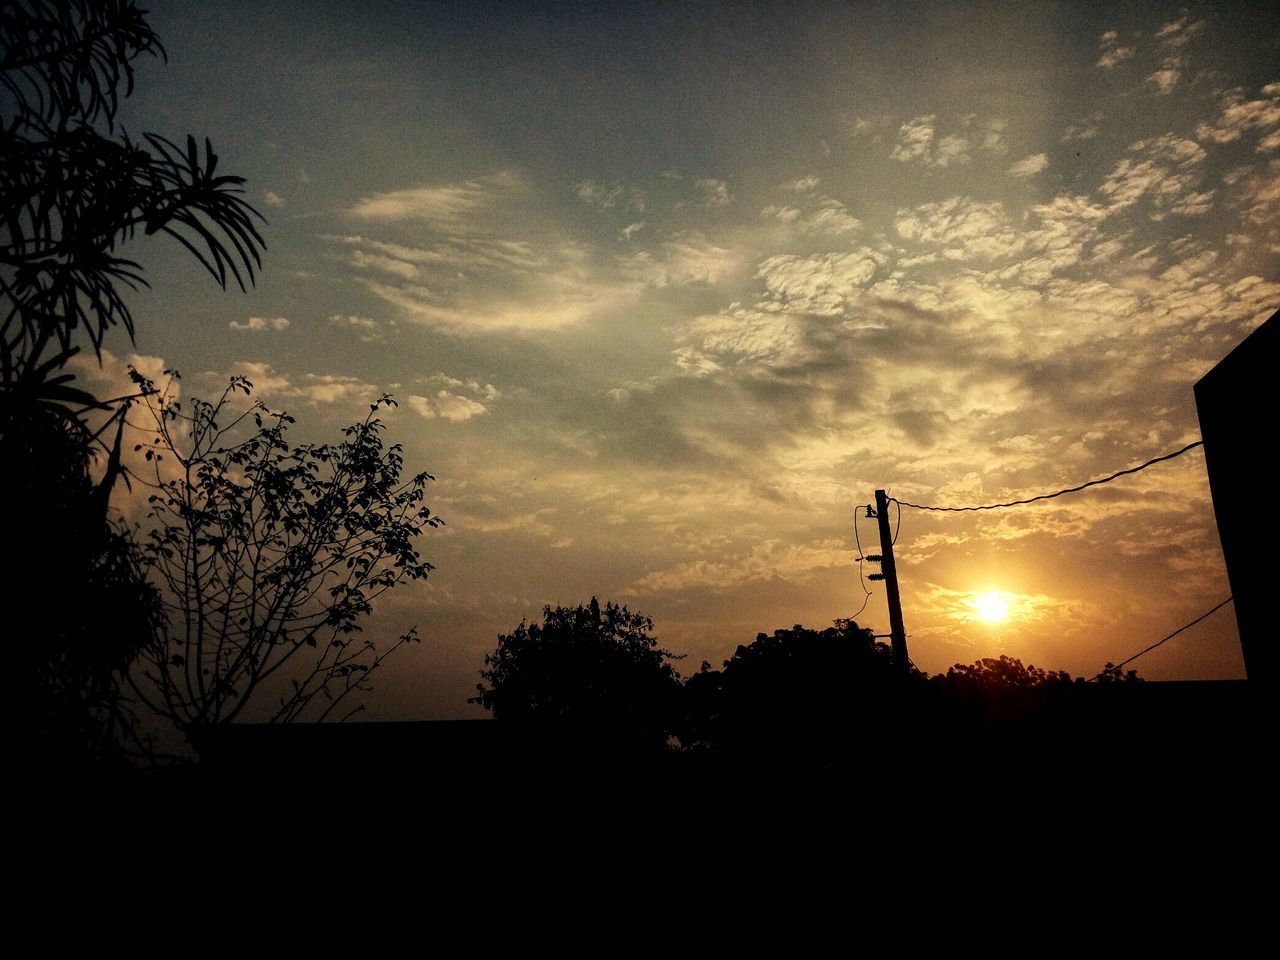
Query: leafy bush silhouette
(76, 581)
(1021, 702)
(798, 692)
(990, 678)
(587, 666)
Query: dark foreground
(1080, 809)
(1115, 754)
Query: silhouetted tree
(76, 581)
(1015, 702)
(586, 666)
(1114, 674)
(990, 677)
(797, 692)
(267, 556)
(72, 190)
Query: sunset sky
(665, 292)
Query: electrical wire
(1185, 626)
(1050, 496)
(861, 579)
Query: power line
(1050, 496)
(861, 580)
(1185, 626)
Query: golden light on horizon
(990, 607)
(993, 607)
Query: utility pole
(897, 633)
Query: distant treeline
(798, 694)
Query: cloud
(608, 197)
(1193, 204)
(273, 199)
(315, 388)
(802, 185)
(1256, 193)
(967, 227)
(1067, 225)
(486, 392)
(467, 284)
(487, 514)
(502, 268)
(457, 400)
(820, 284)
(1164, 173)
(992, 133)
(264, 377)
(330, 388)
(736, 334)
(630, 230)
(367, 329)
(919, 141)
(1017, 337)
(1086, 129)
(1238, 116)
(915, 137)
(823, 216)
(781, 214)
(457, 252)
(1021, 608)
(765, 561)
(558, 301)
(444, 205)
(1173, 36)
(1177, 33)
(367, 324)
(1110, 52)
(714, 193)
(1030, 166)
(385, 264)
(447, 406)
(861, 126)
(951, 149)
(685, 259)
(260, 324)
(1166, 78)
(694, 362)
(831, 218)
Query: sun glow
(991, 607)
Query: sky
(665, 293)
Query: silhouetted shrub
(267, 556)
(804, 693)
(586, 666)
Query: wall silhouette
(1239, 406)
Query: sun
(991, 607)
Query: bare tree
(267, 556)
